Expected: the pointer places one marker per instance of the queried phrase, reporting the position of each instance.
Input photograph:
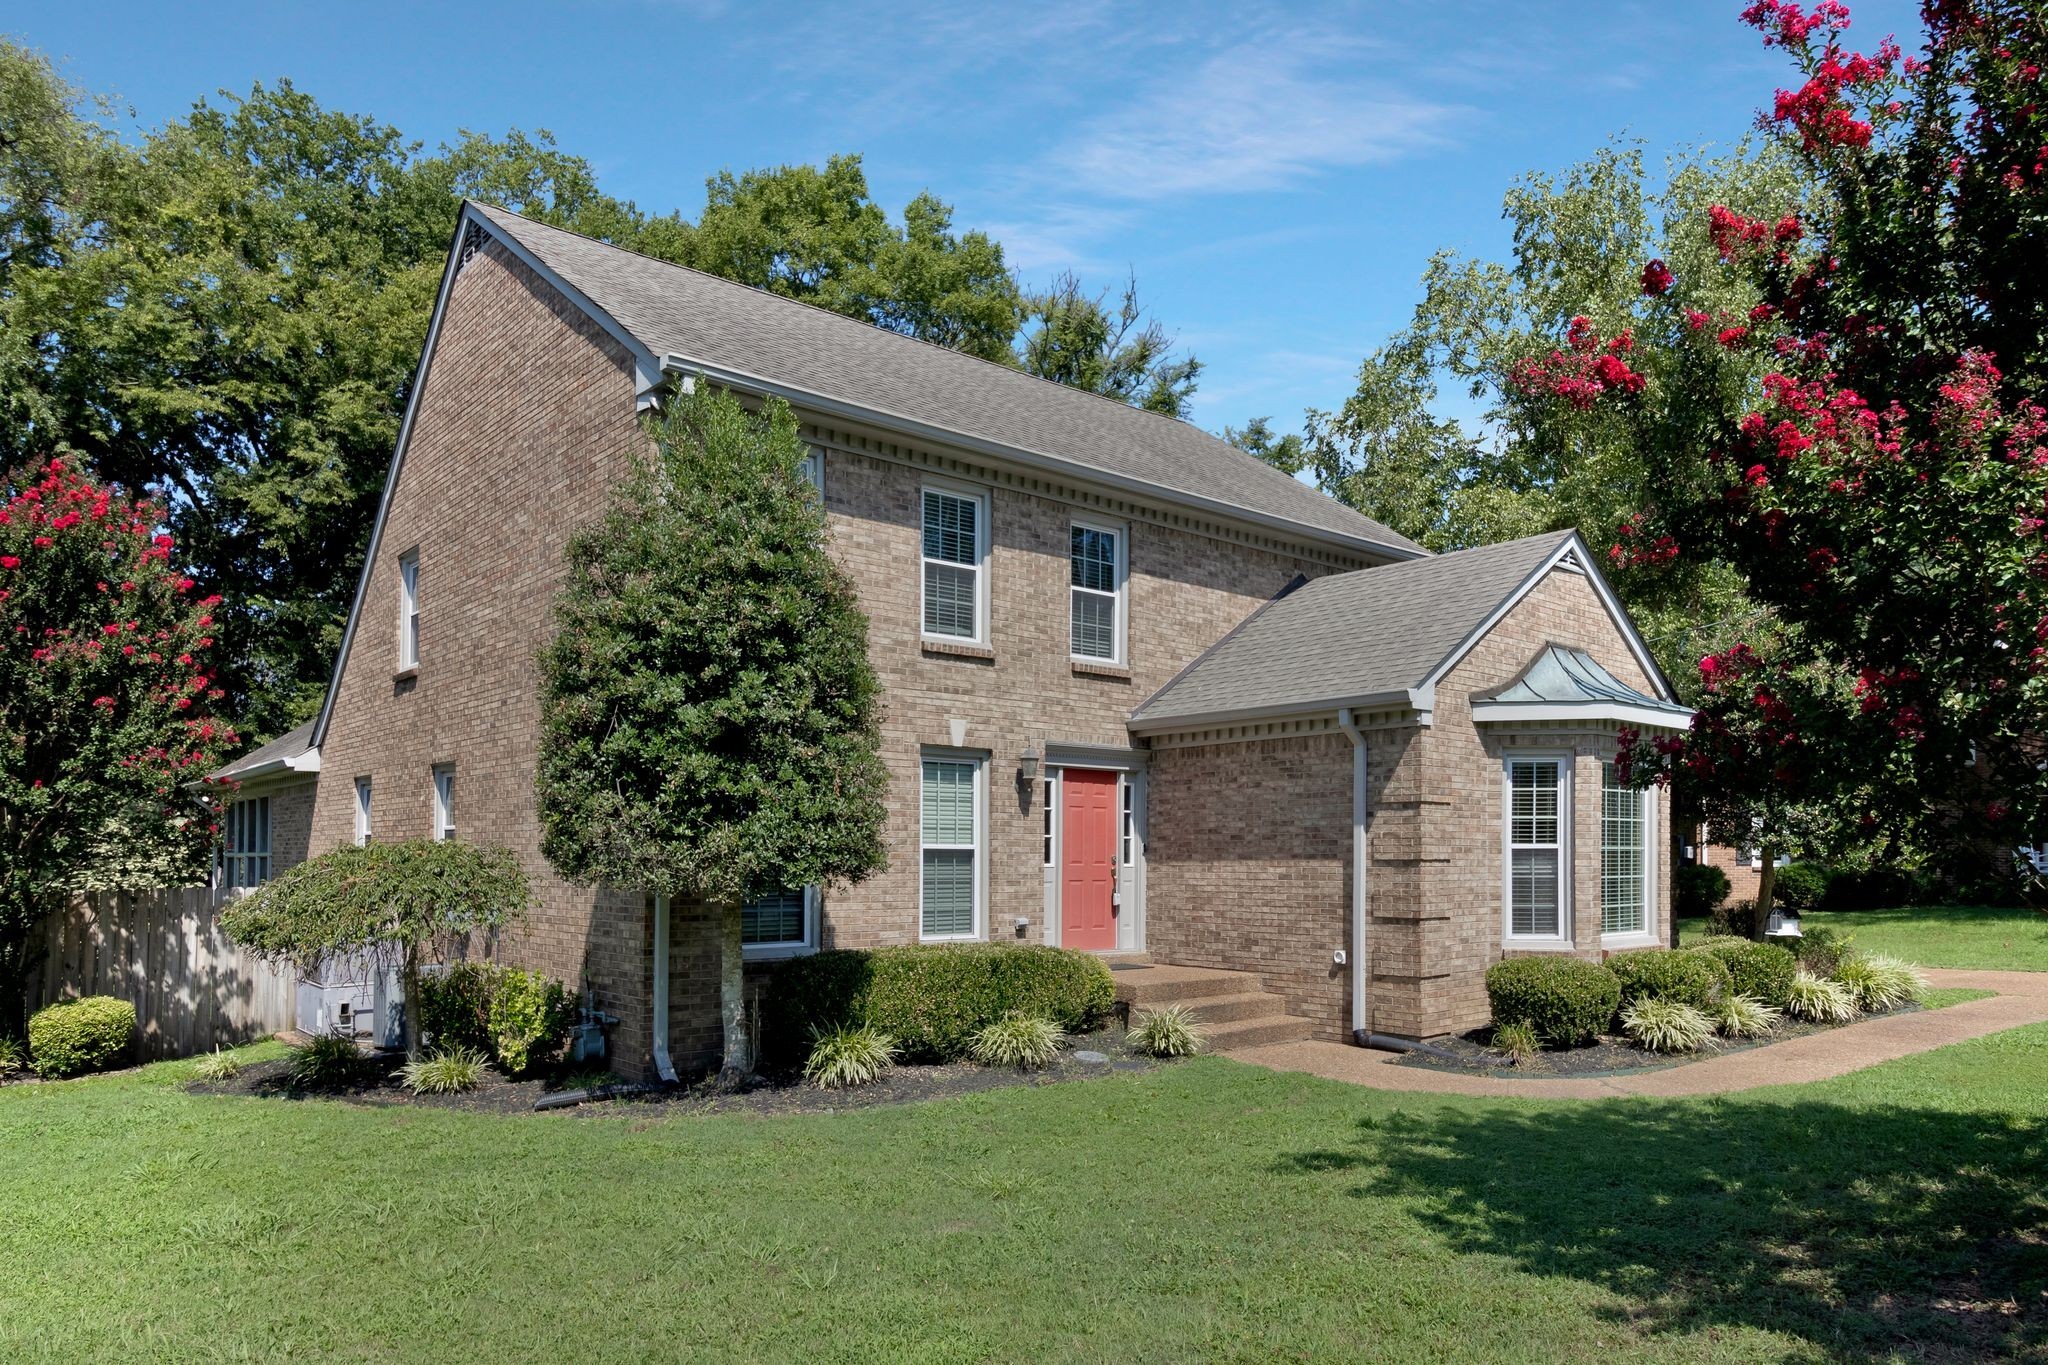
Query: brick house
(1143, 694)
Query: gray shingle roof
(1353, 635)
(291, 744)
(714, 322)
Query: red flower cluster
(1657, 278)
(1584, 371)
(1732, 232)
(1636, 549)
(1786, 25)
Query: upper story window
(409, 610)
(1538, 824)
(955, 554)
(444, 801)
(1095, 560)
(362, 810)
(1625, 859)
(813, 469)
(245, 848)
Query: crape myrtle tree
(106, 697)
(398, 904)
(1884, 486)
(710, 729)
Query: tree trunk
(1766, 883)
(409, 972)
(732, 999)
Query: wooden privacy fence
(163, 950)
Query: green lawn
(1936, 936)
(1207, 1210)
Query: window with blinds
(780, 919)
(1095, 571)
(245, 845)
(1536, 844)
(1624, 857)
(955, 533)
(950, 835)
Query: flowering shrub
(106, 692)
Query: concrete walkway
(2022, 999)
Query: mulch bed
(1472, 1055)
(768, 1094)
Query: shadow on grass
(1867, 1232)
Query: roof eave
(1658, 717)
(1402, 699)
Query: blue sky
(1277, 176)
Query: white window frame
(979, 497)
(243, 867)
(1052, 824)
(769, 952)
(363, 794)
(813, 471)
(1127, 821)
(1647, 934)
(444, 801)
(979, 847)
(1121, 596)
(409, 610)
(1562, 939)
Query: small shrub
(1880, 983)
(1760, 970)
(1519, 1041)
(1876, 888)
(1567, 1000)
(1699, 889)
(1686, 976)
(1745, 1016)
(1821, 951)
(1801, 886)
(80, 1035)
(449, 1072)
(530, 1018)
(1821, 1000)
(932, 998)
(1663, 1025)
(217, 1066)
(13, 1057)
(1025, 1041)
(455, 1005)
(1169, 1031)
(845, 1057)
(327, 1063)
(1736, 919)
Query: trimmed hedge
(1762, 971)
(1699, 889)
(80, 1035)
(1802, 886)
(1687, 976)
(1567, 1000)
(930, 998)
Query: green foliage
(1822, 951)
(13, 1057)
(447, 1072)
(1663, 1025)
(530, 1018)
(933, 998)
(1802, 886)
(328, 1063)
(710, 726)
(80, 1035)
(1684, 976)
(455, 1005)
(1168, 1031)
(1733, 919)
(1084, 341)
(1876, 887)
(1819, 999)
(1025, 1041)
(1745, 1016)
(1567, 1000)
(1762, 971)
(1698, 889)
(217, 1066)
(1880, 983)
(848, 1056)
(1518, 1040)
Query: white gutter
(1359, 1014)
(663, 1067)
(1419, 700)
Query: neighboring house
(1140, 689)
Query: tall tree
(1085, 341)
(710, 726)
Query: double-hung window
(1538, 820)
(1625, 861)
(444, 801)
(950, 825)
(1095, 563)
(245, 851)
(362, 810)
(409, 610)
(955, 553)
(780, 923)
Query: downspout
(663, 1067)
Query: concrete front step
(1224, 1009)
(1259, 1032)
(1163, 985)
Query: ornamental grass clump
(1025, 1041)
(1820, 1000)
(1169, 1031)
(854, 1055)
(445, 1073)
(1880, 983)
(13, 1057)
(327, 1063)
(1518, 1041)
(1745, 1016)
(1662, 1025)
(217, 1066)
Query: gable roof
(675, 318)
(1383, 635)
(291, 751)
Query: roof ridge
(871, 326)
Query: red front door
(1087, 858)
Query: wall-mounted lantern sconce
(1027, 769)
